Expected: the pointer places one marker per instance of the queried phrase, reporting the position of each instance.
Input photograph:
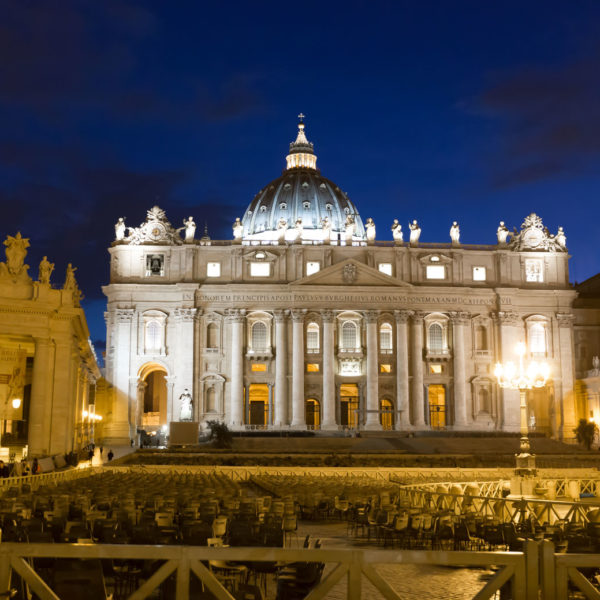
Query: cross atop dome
(302, 154)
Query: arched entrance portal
(257, 414)
(313, 413)
(386, 414)
(152, 403)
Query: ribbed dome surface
(300, 194)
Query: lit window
(213, 269)
(386, 268)
(435, 338)
(153, 336)
(349, 336)
(534, 270)
(260, 269)
(478, 273)
(435, 369)
(436, 272)
(259, 367)
(312, 337)
(537, 338)
(435, 259)
(312, 267)
(385, 337)
(312, 368)
(385, 368)
(259, 336)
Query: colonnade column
(279, 416)
(372, 422)
(402, 397)
(41, 399)
(569, 410)
(328, 417)
(417, 370)
(236, 400)
(298, 418)
(459, 320)
(511, 332)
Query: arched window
(212, 336)
(435, 338)
(211, 400)
(481, 337)
(259, 336)
(312, 337)
(385, 338)
(537, 338)
(349, 336)
(153, 341)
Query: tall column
(40, 406)
(139, 409)
(402, 397)
(279, 416)
(417, 370)
(298, 418)
(236, 319)
(328, 400)
(459, 320)
(567, 368)
(511, 332)
(372, 421)
(184, 355)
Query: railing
(53, 477)
(520, 568)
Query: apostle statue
(415, 232)
(238, 230)
(16, 251)
(299, 231)
(190, 230)
(370, 227)
(502, 232)
(455, 234)
(70, 283)
(45, 270)
(561, 239)
(397, 232)
(326, 225)
(281, 229)
(350, 228)
(120, 229)
(185, 413)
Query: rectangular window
(155, 265)
(436, 369)
(534, 270)
(312, 267)
(385, 268)
(312, 368)
(385, 368)
(213, 269)
(436, 272)
(259, 367)
(260, 269)
(478, 273)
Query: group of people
(92, 450)
(19, 469)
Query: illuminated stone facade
(306, 320)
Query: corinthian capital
(235, 315)
(508, 318)
(418, 316)
(371, 316)
(327, 316)
(279, 315)
(402, 316)
(298, 315)
(460, 318)
(565, 319)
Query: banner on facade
(13, 364)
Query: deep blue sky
(434, 110)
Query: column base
(461, 427)
(298, 427)
(117, 434)
(329, 427)
(372, 427)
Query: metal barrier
(520, 568)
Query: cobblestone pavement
(411, 582)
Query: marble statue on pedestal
(120, 229)
(397, 233)
(350, 228)
(415, 232)
(299, 230)
(70, 282)
(185, 413)
(238, 230)
(455, 234)
(502, 233)
(560, 238)
(16, 251)
(45, 270)
(281, 229)
(326, 226)
(370, 226)
(190, 230)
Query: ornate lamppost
(523, 377)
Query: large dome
(301, 203)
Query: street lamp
(523, 378)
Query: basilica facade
(304, 319)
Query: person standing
(35, 467)
(101, 451)
(110, 455)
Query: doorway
(313, 413)
(349, 405)
(258, 409)
(437, 406)
(386, 414)
(155, 399)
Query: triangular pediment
(351, 273)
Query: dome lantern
(302, 154)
